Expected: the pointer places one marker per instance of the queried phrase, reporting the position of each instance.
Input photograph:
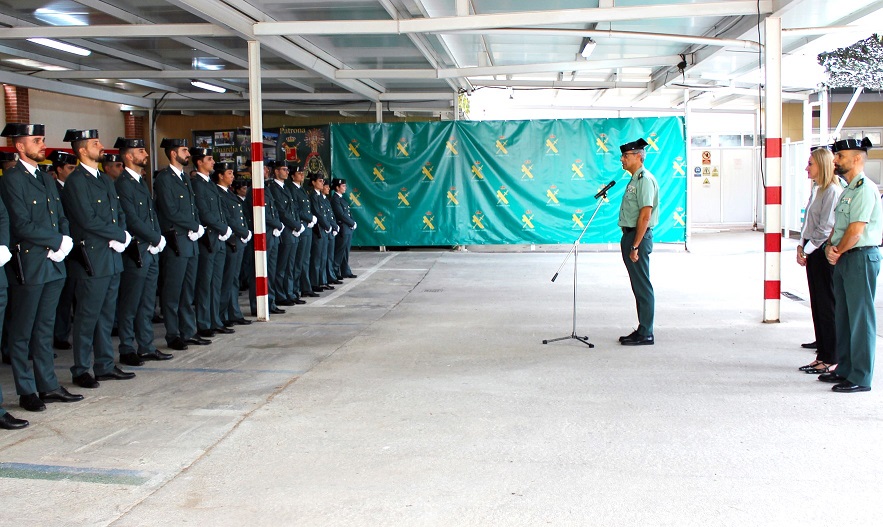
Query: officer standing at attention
(64, 164)
(234, 216)
(112, 165)
(321, 234)
(285, 207)
(301, 278)
(853, 252)
(344, 239)
(330, 273)
(140, 261)
(179, 224)
(7, 421)
(638, 214)
(212, 247)
(275, 229)
(39, 230)
(98, 227)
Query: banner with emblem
(502, 182)
(305, 146)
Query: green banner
(502, 182)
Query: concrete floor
(421, 394)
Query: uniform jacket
(211, 211)
(302, 201)
(234, 213)
(36, 222)
(342, 211)
(285, 206)
(176, 209)
(141, 218)
(271, 214)
(319, 205)
(96, 217)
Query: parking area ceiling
(414, 56)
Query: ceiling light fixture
(61, 46)
(207, 86)
(35, 64)
(588, 48)
(59, 18)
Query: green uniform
(212, 254)
(642, 191)
(855, 281)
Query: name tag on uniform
(631, 189)
(846, 200)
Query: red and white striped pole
(772, 285)
(257, 179)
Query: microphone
(604, 190)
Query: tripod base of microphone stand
(584, 340)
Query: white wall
(61, 112)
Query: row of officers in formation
(86, 252)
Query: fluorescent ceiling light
(58, 18)
(28, 63)
(209, 87)
(61, 46)
(589, 48)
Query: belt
(862, 248)
(627, 230)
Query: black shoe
(285, 302)
(5, 359)
(116, 374)
(298, 301)
(335, 282)
(31, 403)
(238, 322)
(224, 330)
(831, 377)
(85, 380)
(277, 311)
(61, 344)
(351, 276)
(60, 395)
(157, 355)
(178, 343)
(198, 341)
(115, 332)
(7, 422)
(638, 340)
(631, 335)
(311, 294)
(326, 286)
(809, 345)
(848, 387)
(206, 333)
(131, 359)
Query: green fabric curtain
(502, 182)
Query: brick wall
(17, 106)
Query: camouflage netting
(858, 65)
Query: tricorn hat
(198, 151)
(223, 166)
(634, 145)
(23, 130)
(125, 143)
(72, 136)
(315, 176)
(172, 143)
(852, 144)
(336, 182)
(112, 158)
(270, 163)
(7, 156)
(61, 158)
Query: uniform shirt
(860, 201)
(642, 191)
(820, 216)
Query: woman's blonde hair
(824, 160)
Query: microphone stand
(575, 252)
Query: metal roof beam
(28, 81)
(174, 74)
(115, 31)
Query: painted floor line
(107, 476)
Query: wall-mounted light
(61, 46)
(207, 86)
(588, 48)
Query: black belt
(627, 230)
(862, 248)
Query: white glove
(301, 230)
(162, 243)
(200, 232)
(128, 240)
(312, 222)
(55, 256)
(245, 240)
(152, 250)
(335, 232)
(67, 245)
(193, 235)
(226, 236)
(355, 225)
(277, 233)
(327, 230)
(116, 246)
(5, 255)
(297, 233)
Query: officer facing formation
(638, 214)
(852, 250)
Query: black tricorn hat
(61, 158)
(293, 167)
(72, 136)
(23, 130)
(634, 145)
(336, 182)
(7, 156)
(270, 163)
(851, 144)
(238, 183)
(125, 143)
(198, 151)
(112, 158)
(224, 166)
(315, 176)
(172, 143)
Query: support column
(134, 124)
(255, 109)
(18, 106)
(772, 285)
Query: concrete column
(772, 285)
(257, 179)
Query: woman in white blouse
(817, 226)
